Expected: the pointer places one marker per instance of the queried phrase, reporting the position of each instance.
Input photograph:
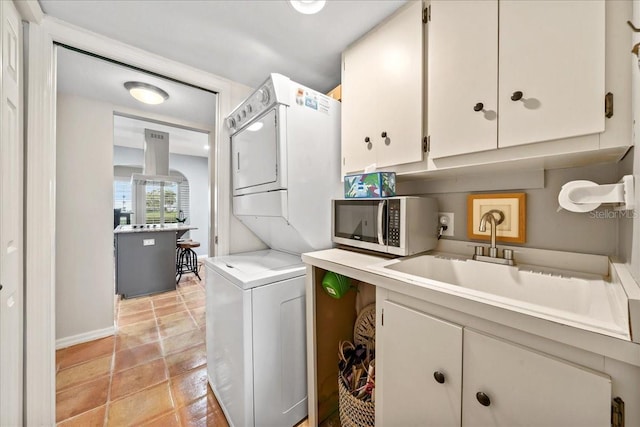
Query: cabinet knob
(517, 96)
(439, 376)
(483, 399)
(384, 134)
(478, 107)
(367, 139)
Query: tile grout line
(164, 361)
(113, 366)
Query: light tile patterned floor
(151, 373)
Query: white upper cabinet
(508, 73)
(463, 71)
(553, 52)
(382, 94)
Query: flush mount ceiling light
(144, 92)
(308, 7)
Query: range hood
(156, 160)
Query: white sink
(585, 300)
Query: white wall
(195, 170)
(84, 219)
(241, 238)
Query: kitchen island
(146, 258)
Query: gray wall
(546, 228)
(195, 169)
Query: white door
(11, 219)
(254, 154)
(359, 105)
(279, 353)
(552, 55)
(420, 365)
(521, 387)
(463, 77)
(400, 60)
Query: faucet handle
(479, 251)
(507, 254)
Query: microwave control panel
(393, 238)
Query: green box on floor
(376, 184)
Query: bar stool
(186, 258)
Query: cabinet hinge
(382, 320)
(617, 412)
(608, 105)
(426, 14)
(215, 240)
(426, 144)
(344, 160)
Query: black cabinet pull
(478, 107)
(517, 96)
(366, 139)
(483, 399)
(384, 134)
(439, 376)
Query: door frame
(40, 174)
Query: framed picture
(511, 205)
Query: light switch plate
(148, 242)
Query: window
(161, 203)
(156, 203)
(122, 201)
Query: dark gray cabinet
(145, 263)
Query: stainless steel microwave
(395, 225)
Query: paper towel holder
(585, 196)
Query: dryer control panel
(252, 107)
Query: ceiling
(242, 40)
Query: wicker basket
(353, 411)
(364, 330)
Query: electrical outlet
(446, 218)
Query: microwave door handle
(380, 219)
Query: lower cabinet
(433, 372)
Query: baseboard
(84, 337)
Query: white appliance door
(254, 152)
(229, 348)
(279, 353)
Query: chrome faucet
(493, 250)
(488, 216)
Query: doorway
(94, 111)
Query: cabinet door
(382, 91)
(359, 105)
(463, 73)
(400, 52)
(412, 348)
(554, 53)
(526, 388)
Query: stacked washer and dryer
(285, 149)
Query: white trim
(29, 10)
(41, 175)
(63, 32)
(40, 221)
(85, 337)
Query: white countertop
(160, 227)
(359, 266)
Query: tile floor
(151, 373)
